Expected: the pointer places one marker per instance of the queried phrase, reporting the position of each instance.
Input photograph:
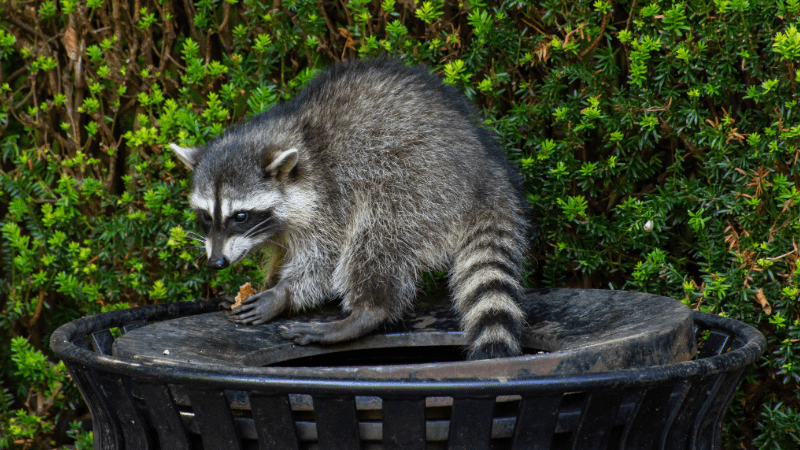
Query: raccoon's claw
(257, 309)
(305, 333)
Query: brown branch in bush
(30, 322)
(576, 30)
(65, 143)
(103, 128)
(350, 22)
(136, 15)
(597, 39)
(327, 49)
(104, 19)
(328, 23)
(693, 150)
(226, 12)
(148, 45)
(331, 29)
(208, 48)
(166, 47)
(10, 79)
(188, 7)
(533, 26)
(168, 55)
(19, 23)
(69, 107)
(630, 16)
(24, 100)
(125, 28)
(116, 14)
(303, 35)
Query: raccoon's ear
(282, 164)
(189, 155)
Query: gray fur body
(372, 174)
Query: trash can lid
(569, 332)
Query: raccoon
(373, 173)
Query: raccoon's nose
(219, 263)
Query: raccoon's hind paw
(356, 325)
(305, 333)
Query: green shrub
(659, 141)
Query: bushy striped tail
(485, 283)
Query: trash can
(601, 370)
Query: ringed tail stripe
(488, 228)
(494, 303)
(487, 237)
(470, 300)
(484, 269)
(492, 319)
(491, 250)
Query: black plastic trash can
(171, 403)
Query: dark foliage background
(659, 141)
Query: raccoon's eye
(240, 217)
(205, 217)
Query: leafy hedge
(659, 141)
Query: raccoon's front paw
(259, 308)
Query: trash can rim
(223, 377)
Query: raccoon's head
(239, 196)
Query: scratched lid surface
(569, 332)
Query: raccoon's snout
(218, 263)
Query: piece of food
(245, 290)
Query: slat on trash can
(653, 413)
(274, 423)
(403, 424)
(337, 423)
(703, 435)
(471, 423)
(536, 422)
(214, 420)
(714, 345)
(164, 415)
(133, 325)
(119, 392)
(102, 341)
(107, 432)
(684, 418)
(597, 420)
